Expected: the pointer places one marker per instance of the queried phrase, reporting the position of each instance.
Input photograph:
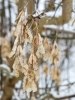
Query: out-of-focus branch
(47, 27)
(59, 86)
(57, 8)
(9, 7)
(61, 38)
(54, 98)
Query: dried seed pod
(48, 49)
(36, 42)
(55, 53)
(33, 98)
(14, 48)
(40, 50)
(55, 74)
(45, 69)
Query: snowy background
(66, 42)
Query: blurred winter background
(59, 17)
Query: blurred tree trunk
(31, 6)
(20, 5)
(67, 10)
(49, 5)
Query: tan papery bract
(45, 69)
(33, 98)
(48, 49)
(40, 50)
(14, 48)
(55, 54)
(28, 63)
(55, 74)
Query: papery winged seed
(24, 71)
(34, 59)
(55, 74)
(46, 42)
(22, 50)
(11, 54)
(22, 17)
(24, 21)
(30, 78)
(30, 59)
(35, 66)
(30, 37)
(59, 53)
(16, 73)
(36, 40)
(56, 59)
(40, 50)
(28, 94)
(55, 44)
(51, 59)
(28, 89)
(55, 53)
(45, 57)
(37, 75)
(38, 54)
(27, 86)
(34, 87)
(16, 41)
(23, 62)
(18, 29)
(15, 67)
(16, 64)
(19, 15)
(40, 39)
(18, 50)
(33, 98)
(47, 45)
(14, 48)
(45, 69)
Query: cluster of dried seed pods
(28, 65)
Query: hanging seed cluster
(39, 49)
(52, 54)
